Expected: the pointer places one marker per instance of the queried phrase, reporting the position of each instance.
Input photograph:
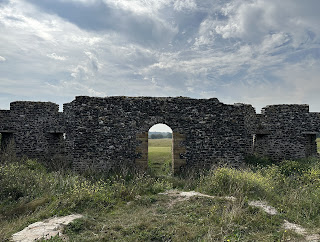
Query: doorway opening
(160, 150)
(311, 144)
(7, 148)
(5, 140)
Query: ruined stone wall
(5, 129)
(286, 132)
(112, 132)
(107, 132)
(34, 128)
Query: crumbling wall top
(38, 107)
(285, 108)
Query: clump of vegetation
(293, 187)
(224, 181)
(29, 192)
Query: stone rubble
(44, 230)
(264, 206)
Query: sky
(160, 128)
(259, 52)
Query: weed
(75, 227)
(231, 181)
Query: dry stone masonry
(107, 133)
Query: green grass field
(160, 142)
(318, 145)
(160, 156)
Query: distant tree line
(160, 135)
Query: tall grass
(28, 188)
(293, 187)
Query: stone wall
(34, 127)
(286, 132)
(112, 132)
(109, 132)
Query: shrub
(230, 181)
(258, 161)
(292, 168)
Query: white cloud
(2, 59)
(149, 7)
(206, 33)
(180, 5)
(253, 20)
(56, 57)
(95, 64)
(72, 88)
(13, 17)
(272, 42)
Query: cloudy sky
(256, 51)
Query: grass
(160, 156)
(128, 207)
(29, 193)
(160, 142)
(318, 145)
(151, 218)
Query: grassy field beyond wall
(160, 156)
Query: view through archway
(160, 150)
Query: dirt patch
(179, 196)
(44, 229)
(264, 206)
(300, 230)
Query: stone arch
(178, 145)
(160, 162)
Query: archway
(160, 154)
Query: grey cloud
(188, 23)
(95, 17)
(99, 16)
(3, 2)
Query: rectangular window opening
(57, 137)
(311, 144)
(5, 140)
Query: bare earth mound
(45, 229)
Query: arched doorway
(160, 155)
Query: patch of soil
(44, 229)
